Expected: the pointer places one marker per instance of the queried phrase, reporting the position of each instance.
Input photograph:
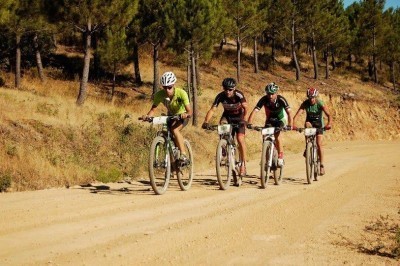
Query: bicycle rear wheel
(184, 173)
(265, 168)
(223, 165)
(309, 163)
(159, 165)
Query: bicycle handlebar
(170, 117)
(277, 129)
(215, 127)
(320, 129)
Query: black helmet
(229, 83)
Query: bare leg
(321, 153)
(176, 130)
(242, 148)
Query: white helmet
(168, 79)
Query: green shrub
(112, 174)
(5, 181)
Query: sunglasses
(270, 94)
(229, 89)
(167, 87)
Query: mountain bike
(227, 159)
(164, 157)
(269, 156)
(311, 153)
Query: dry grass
(47, 141)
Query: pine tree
(113, 51)
(370, 25)
(89, 17)
(390, 46)
(242, 16)
(153, 28)
(194, 27)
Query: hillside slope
(49, 142)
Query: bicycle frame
(226, 164)
(225, 132)
(161, 169)
(166, 133)
(312, 158)
(269, 152)
(268, 134)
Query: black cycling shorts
(235, 120)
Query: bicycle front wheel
(265, 168)
(309, 163)
(316, 163)
(184, 172)
(223, 165)
(278, 171)
(159, 165)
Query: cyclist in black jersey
(314, 109)
(235, 111)
(277, 112)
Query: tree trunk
(326, 57)
(113, 80)
(86, 65)
(138, 78)
(333, 61)
(294, 56)
(392, 73)
(18, 60)
(198, 79)
(273, 47)
(188, 74)
(194, 86)
(314, 56)
(374, 58)
(155, 68)
(370, 68)
(349, 57)
(255, 54)
(96, 58)
(39, 64)
(222, 43)
(238, 51)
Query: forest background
(75, 75)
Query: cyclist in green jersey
(314, 108)
(176, 101)
(277, 113)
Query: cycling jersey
(232, 105)
(274, 111)
(176, 105)
(314, 112)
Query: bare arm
(245, 109)
(252, 114)
(152, 110)
(327, 113)
(290, 119)
(299, 112)
(210, 114)
(188, 112)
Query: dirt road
(291, 224)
